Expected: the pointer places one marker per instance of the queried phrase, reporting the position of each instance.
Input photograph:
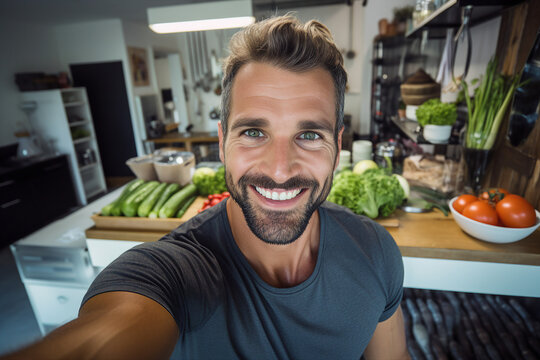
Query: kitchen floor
(18, 325)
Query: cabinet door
(55, 305)
(12, 210)
(54, 189)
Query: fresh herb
(435, 112)
(375, 192)
(488, 107)
(209, 181)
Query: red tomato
(514, 211)
(215, 201)
(481, 211)
(462, 201)
(494, 195)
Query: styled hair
(285, 42)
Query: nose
(281, 160)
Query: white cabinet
(63, 121)
(55, 305)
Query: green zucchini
(148, 203)
(169, 191)
(133, 185)
(132, 202)
(172, 205)
(186, 206)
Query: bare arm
(113, 325)
(388, 341)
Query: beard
(278, 227)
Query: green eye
(253, 133)
(310, 135)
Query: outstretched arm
(388, 341)
(113, 325)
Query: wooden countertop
(432, 235)
(428, 235)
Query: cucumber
(172, 205)
(130, 187)
(106, 210)
(186, 206)
(148, 203)
(169, 191)
(132, 202)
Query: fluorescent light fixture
(201, 16)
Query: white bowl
(143, 167)
(491, 233)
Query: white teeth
(274, 195)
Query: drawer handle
(10, 203)
(6, 183)
(62, 299)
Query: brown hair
(285, 42)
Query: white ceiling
(69, 11)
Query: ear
(221, 141)
(339, 142)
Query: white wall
(139, 35)
(26, 48)
(99, 41)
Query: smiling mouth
(278, 194)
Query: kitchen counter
(437, 255)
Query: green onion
(488, 107)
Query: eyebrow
(302, 125)
(249, 122)
(315, 125)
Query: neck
(278, 265)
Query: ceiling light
(201, 16)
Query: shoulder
(178, 271)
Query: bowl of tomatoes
(495, 216)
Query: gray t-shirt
(224, 310)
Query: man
(274, 272)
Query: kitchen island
(437, 255)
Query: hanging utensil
(191, 60)
(463, 32)
(350, 54)
(207, 60)
(202, 59)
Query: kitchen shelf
(74, 103)
(51, 121)
(94, 192)
(82, 140)
(449, 16)
(409, 127)
(78, 123)
(88, 166)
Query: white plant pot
(437, 134)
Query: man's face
(280, 152)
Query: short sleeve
(393, 273)
(180, 275)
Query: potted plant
(486, 112)
(437, 119)
(401, 15)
